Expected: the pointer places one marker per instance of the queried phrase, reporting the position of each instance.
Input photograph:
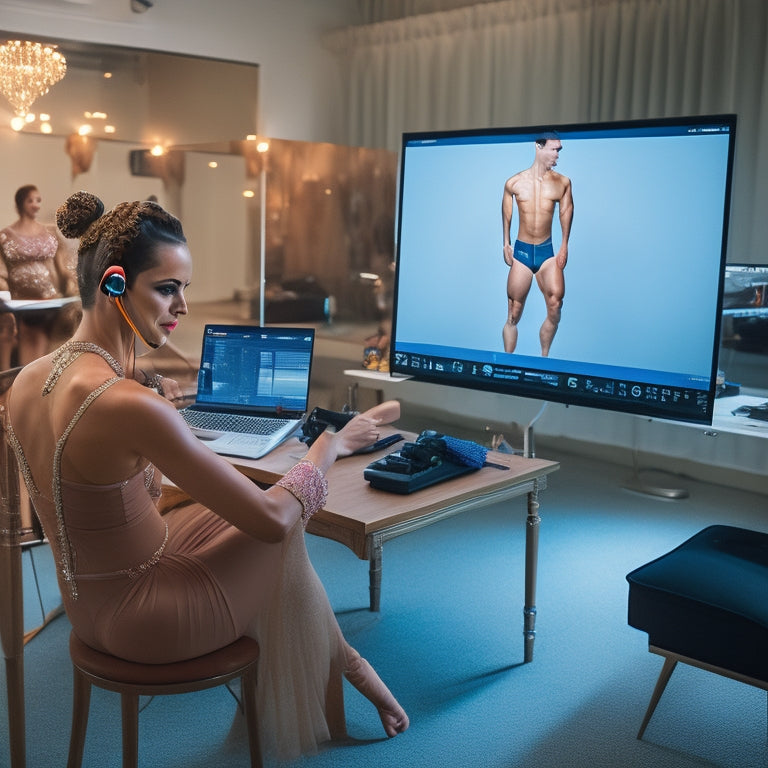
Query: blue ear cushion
(113, 284)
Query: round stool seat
(228, 662)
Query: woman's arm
(152, 428)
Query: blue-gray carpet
(449, 643)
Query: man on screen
(537, 191)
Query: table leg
(531, 565)
(374, 573)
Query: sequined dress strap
(67, 564)
(63, 357)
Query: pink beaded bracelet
(308, 484)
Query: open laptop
(252, 387)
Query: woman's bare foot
(363, 677)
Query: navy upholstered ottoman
(705, 603)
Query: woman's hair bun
(77, 213)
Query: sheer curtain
(534, 62)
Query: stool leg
(130, 707)
(661, 684)
(248, 693)
(81, 702)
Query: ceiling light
(27, 71)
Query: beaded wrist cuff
(308, 484)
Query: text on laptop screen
(255, 367)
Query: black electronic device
(759, 412)
(640, 325)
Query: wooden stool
(131, 680)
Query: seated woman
(31, 267)
(157, 588)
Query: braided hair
(128, 236)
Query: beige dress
(157, 588)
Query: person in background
(31, 267)
(152, 587)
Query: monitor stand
(655, 482)
(529, 450)
(652, 481)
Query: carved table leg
(374, 572)
(531, 565)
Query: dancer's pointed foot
(362, 675)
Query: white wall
(299, 79)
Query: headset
(113, 284)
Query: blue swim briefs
(533, 256)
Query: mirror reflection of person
(152, 587)
(32, 267)
(537, 191)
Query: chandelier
(27, 71)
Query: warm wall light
(157, 151)
(17, 123)
(46, 128)
(213, 164)
(80, 149)
(249, 193)
(27, 71)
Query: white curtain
(539, 62)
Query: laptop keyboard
(232, 422)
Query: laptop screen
(250, 367)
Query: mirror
(315, 220)
(143, 96)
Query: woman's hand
(359, 432)
(171, 389)
(364, 429)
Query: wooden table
(364, 518)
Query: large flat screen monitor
(581, 264)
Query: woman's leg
(363, 677)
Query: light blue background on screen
(644, 252)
